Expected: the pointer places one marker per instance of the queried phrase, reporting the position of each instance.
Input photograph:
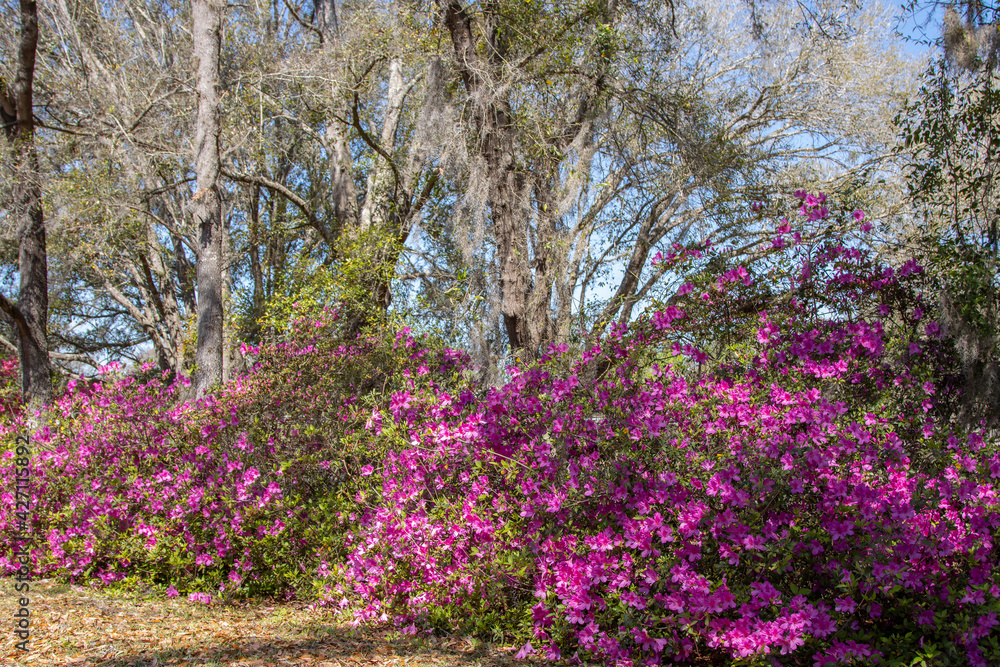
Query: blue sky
(924, 26)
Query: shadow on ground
(77, 626)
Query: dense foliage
(765, 469)
(231, 494)
(951, 133)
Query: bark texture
(522, 172)
(494, 125)
(326, 18)
(206, 205)
(30, 314)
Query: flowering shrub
(800, 495)
(765, 470)
(10, 390)
(236, 493)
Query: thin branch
(303, 22)
(170, 228)
(422, 199)
(40, 123)
(375, 147)
(149, 108)
(440, 275)
(263, 181)
(14, 313)
(168, 186)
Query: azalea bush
(237, 493)
(11, 406)
(800, 495)
(767, 468)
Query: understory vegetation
(771, 467)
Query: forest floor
(78, 626)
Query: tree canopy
(502, 172)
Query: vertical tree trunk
(31, 313)
(206, 205)
(529, 257)
(255, 267)
(229, 353)
(171, 308)
(33, 300)
(381, 211)
(494, 125)
(336, 141)
(326, 18)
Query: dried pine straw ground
(72, 625)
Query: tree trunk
(30, 315)
(380, 214)
(33, 299)
(171, 308)
(379, 211)
(255, 267)
(494, 125)
(206, 205)
(326, 18)
(228, 351)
